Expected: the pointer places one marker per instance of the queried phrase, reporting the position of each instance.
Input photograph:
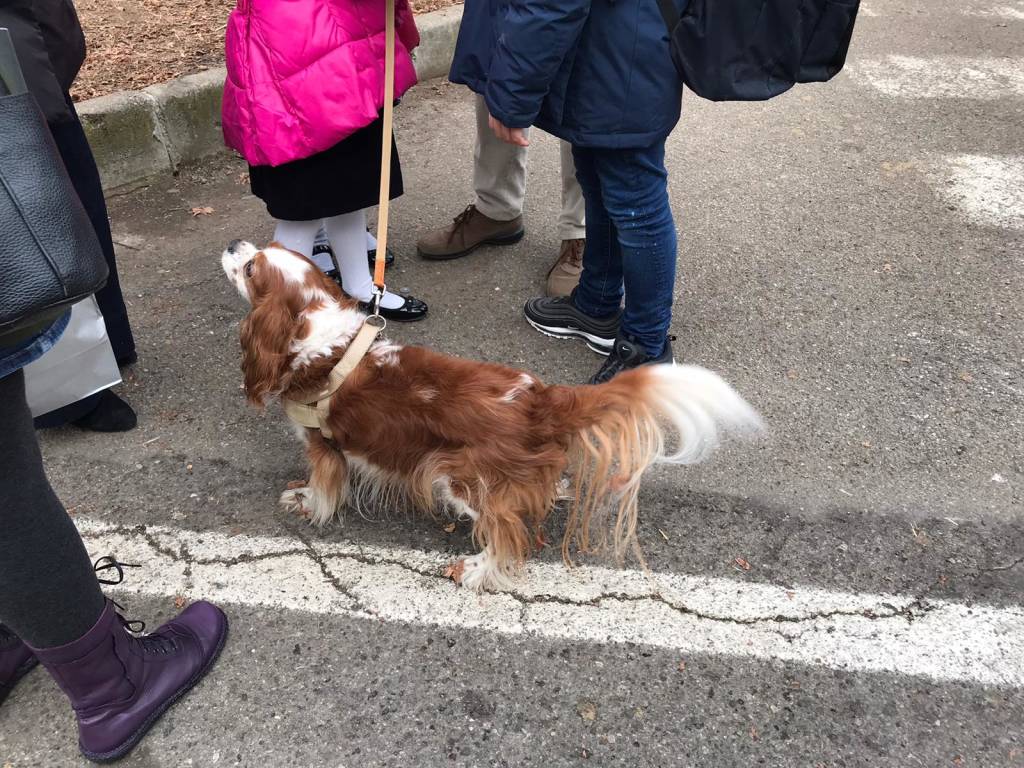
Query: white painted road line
(987, 190)
(1014, 11)
(855, 632)
(942, 77)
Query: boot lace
(573, 254)
(460, 221)
(159, 644)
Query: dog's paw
(294, 500)
(454, 571)
(477, 572)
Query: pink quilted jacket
(304, 74)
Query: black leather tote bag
(49, 255)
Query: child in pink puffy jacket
(302, 104)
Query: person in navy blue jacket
(599, 74)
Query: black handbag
(751, 50)
(50, 257)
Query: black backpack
(751, 50)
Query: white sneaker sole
(596, 344)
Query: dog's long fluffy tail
(656, 414)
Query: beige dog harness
(311, 409)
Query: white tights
(349, 241)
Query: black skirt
(342, 179)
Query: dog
(486, 442)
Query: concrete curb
(137, 134)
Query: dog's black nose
(233, 245)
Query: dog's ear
(267, 335)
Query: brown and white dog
(484, 441)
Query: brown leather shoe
(470, 230)
(564, 274)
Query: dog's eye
(247, 269)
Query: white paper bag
(80, 364)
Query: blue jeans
(631, 241)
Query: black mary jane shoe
(389, 257)
(371, 257)
(412, 310)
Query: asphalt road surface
(845, 592)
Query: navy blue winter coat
(597, 73)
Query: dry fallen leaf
(742, 563)
(587, 710)
(179, 602)
(202, 211)
(920, 536)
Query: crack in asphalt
(1010, 566)
(311, 552)
(183, 555)
(913, 610)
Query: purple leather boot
(120, 684)
(16, 661)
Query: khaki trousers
(499, 177)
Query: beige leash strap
(312, 410)
(385, 156)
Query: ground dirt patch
(135, 43)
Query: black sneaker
(559, 318)
(625, 355)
